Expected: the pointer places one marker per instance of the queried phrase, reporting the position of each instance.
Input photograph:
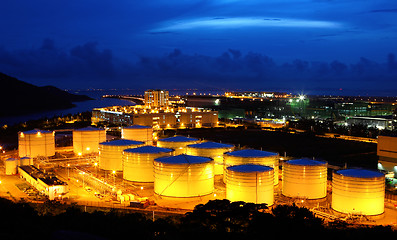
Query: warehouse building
(50, 185)
(157, 118)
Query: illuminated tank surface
(138, 162)
(252, 156)
(213, 150)
(358, 191)
(183, 176)
(111, 153)
(250, 183)
(304, 178)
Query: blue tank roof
(148, 149)
(247, 168)
(360, 173)
(178, 139)
(35, 131)
(122, 142)
(251, 153)
(210, 145)
(183, 159)
(89, 128)
(306, 162)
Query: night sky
(318, 46)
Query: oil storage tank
(358, 191)
(212, 150)
(111, 153)
(23, 161)
(250, 183)
(178, 143)
(35, 143)
(304, 178)
(11, 166)
(138, 162)
(252, 156)
(138, 133)
(183, 176)
(86, 140)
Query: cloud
(49, 62)
(236, 22)
(87, 65)
(391, 10)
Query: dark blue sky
(248, 44)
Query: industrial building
(158, 119)
(48, 184)
(156, 98)
(387, 153)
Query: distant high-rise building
(156, 98)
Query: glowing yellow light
(79, 154)
(88, 148)
(141, 188)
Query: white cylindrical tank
(138, 162)
(111, 153)
(250, 183)
(23, 161)
(212, 150)
(138, 133)
(358, 191)
(183, 176)
(253, 156)
(35, 143)
(305, 178)
(86, 140)
(11, 166)
(178, 143)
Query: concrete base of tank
(361, 218)
(184, 202)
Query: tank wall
(304, 181)
(214, 153)
(183, 180)
(179, 147)
(358, 195)
(111, 157)
(138, 134)
(138, 167)
(272, 162)
(255, 187)
(11, 167)
(34, 145)
(86, 142)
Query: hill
(19, 98)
